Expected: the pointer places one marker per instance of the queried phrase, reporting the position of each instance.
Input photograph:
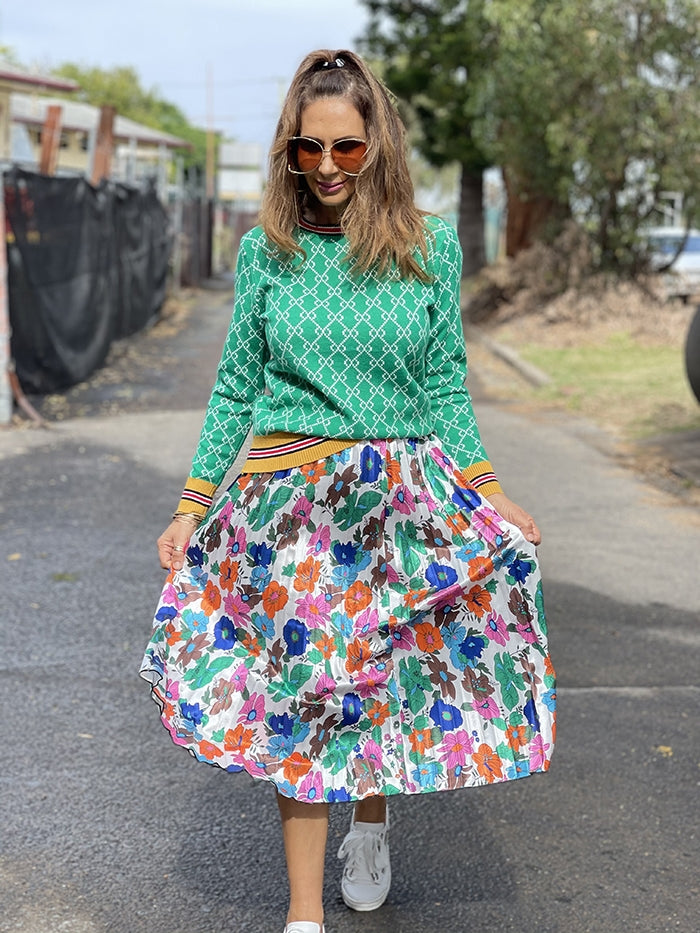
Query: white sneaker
(367, 873)
(304, 926)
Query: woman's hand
(172, 544)
(516, 516)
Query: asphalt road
(106, 827)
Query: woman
(360, 614)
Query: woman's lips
(330, 187)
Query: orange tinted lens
(349, 155)
(307, 154)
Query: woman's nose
(327, 166)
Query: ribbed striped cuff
(482, 477)
(197, 496)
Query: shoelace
(364, 850)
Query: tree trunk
(470, 228)
(527, 215)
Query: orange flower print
(478, 600)
(307, 574)
(357, 598)
(428, 637)
(457, 523)
(274, 597)
(480, 568)
(516, 736)
(358, 653)
(228, 574)
(208, 750)
(211, 599)
(393, 471)
(312, 472)
(326, 645)
(414, 597)
(488, 763)
(238, 740)
(295, 767)
(251, 645)
(421, 740)
(378, 713)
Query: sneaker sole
(365, 905)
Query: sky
(251, 48)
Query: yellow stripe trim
(324, 448)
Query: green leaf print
(414, 682)
(290, 685)
(505, 752)
(336, 759)
(409, 546)
(355, 509)
(263, 513)
(539, 605)
(509, 679)
(201, 675)
(289, 570)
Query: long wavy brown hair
(384, 228)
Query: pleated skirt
(365, 624)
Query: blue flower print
(192, 713)
(295, 634)
(441, 575)
(426, 774)
(371, 464)
(445, 716)
(281, 746)
(520, 570)
(260, 577)
(264, 624)
(550, 700)
(282, 474)
(352, 709)
(224, 634)
(453, 634)
(261, 554)
(472, 647)
(531, 714)
(195, 555)
(466, 499)
(165, 613)
(339, 795)
(343, 622)
(282, 725)
(471, 550)
(345, 553)
(344, 576)
(518, 769)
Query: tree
(433, 54)
(121, 88)
(595, 107)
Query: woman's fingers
(172, 545)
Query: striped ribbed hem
(281, 451)
(482, 477)
(197, 496)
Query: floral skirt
(365, 624)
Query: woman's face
(328, 120)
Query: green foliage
(121, 88)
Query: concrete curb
(528, 371)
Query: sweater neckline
(328, 229)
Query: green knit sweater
(314, 350)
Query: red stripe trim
(484, 478)
(320, 228)
(196, 497)
(261, 453)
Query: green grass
(639, 389)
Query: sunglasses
(304, 155)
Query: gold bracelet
(189, 516)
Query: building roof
(11, 75)
(30, 109)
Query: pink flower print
(320, 540)
(313, 609)
(404, 501)
(369, 682)
(487, 523)
(311, 788)
(325, 685)
(239, 678)
(253, 710)
(366, 623)
(486, 707)
(391, 574)
(538, 750)
(302, 509)
(526, 631)
(372, 753)
(440, 458)
(236, 542)
(456, 747)
(496, 629)
(424, 496)
(225, 514)
(236, 608)
(172, 690)
(402, 638)
(169, 595)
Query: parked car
(682, 280)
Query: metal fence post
(5, 390)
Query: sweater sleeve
(239, 382)
(446, 369)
